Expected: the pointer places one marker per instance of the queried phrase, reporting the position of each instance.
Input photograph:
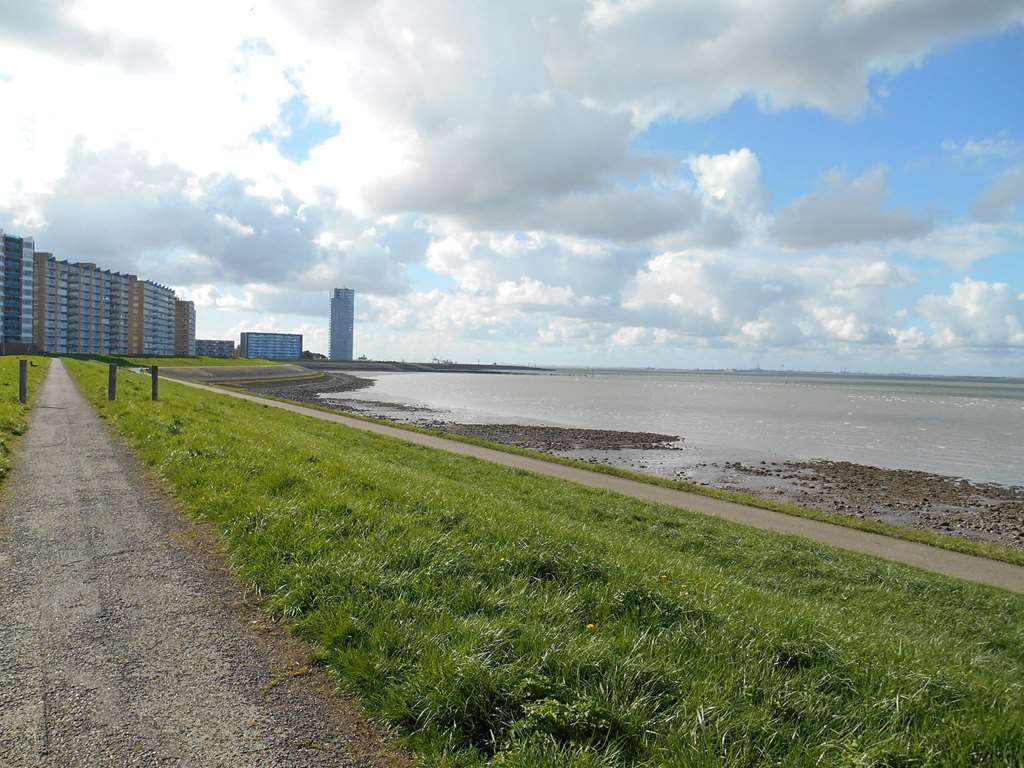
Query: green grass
(943, 541)
(14, 415)
(497, 617)
(174, 362)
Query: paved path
(978, 569)
(122, 643)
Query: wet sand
(939, 503)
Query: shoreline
(987, 512)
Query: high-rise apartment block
(184, 328)
(343, 302)
(60, 307)
(17, 275)
(271, 346)
(152, 304)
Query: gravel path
(123, 641)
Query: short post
(23, 381)
(111, 382)
(154, 371)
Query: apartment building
(97, 309)
(271, 346)
(79, 308)
(50, 304)
(184, 328)
(61, 307)
(150, 318)
(17, 276)
(215, 347)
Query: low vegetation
(497, 617)
(14, 415)
(173, 362)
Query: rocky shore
(939, 503)
(309, 391)
(981, 511)
(559, 439)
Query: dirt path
(122, 642)
(943, 561)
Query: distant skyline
(816, 186)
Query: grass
(497, 617)
(943, 541)
(14, 415)
(174, 362)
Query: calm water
(967, 428)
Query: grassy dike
(14, 415)
(497, 617)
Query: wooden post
(111, 382)
(23, 381)
(154, 371)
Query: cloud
(978, 150)
(117, 209)
(1001, 200)
(534, 293)
(976, 314)
(847, 211)
(660, 57)
(961, 246)
(52, 26)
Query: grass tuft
(14, 415)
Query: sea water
(971, 428)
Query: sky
(797, 184)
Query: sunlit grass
(495, 616)
(14, 415)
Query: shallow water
(963, 427)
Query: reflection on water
(963, 427)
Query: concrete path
(122, 641)
(944, 561)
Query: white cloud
(1000, 147)
(692, 59)
(534, 292)
(976, 314)
(233, 225)
(962, 245)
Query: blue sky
(613, 182)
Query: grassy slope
(953, 543)
(175, 362)
(14, 415)
(494, 615)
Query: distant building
(215, 347)
(17, 274)
(343, 302)
(150, 318)
(271, 346)
(184, 328)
